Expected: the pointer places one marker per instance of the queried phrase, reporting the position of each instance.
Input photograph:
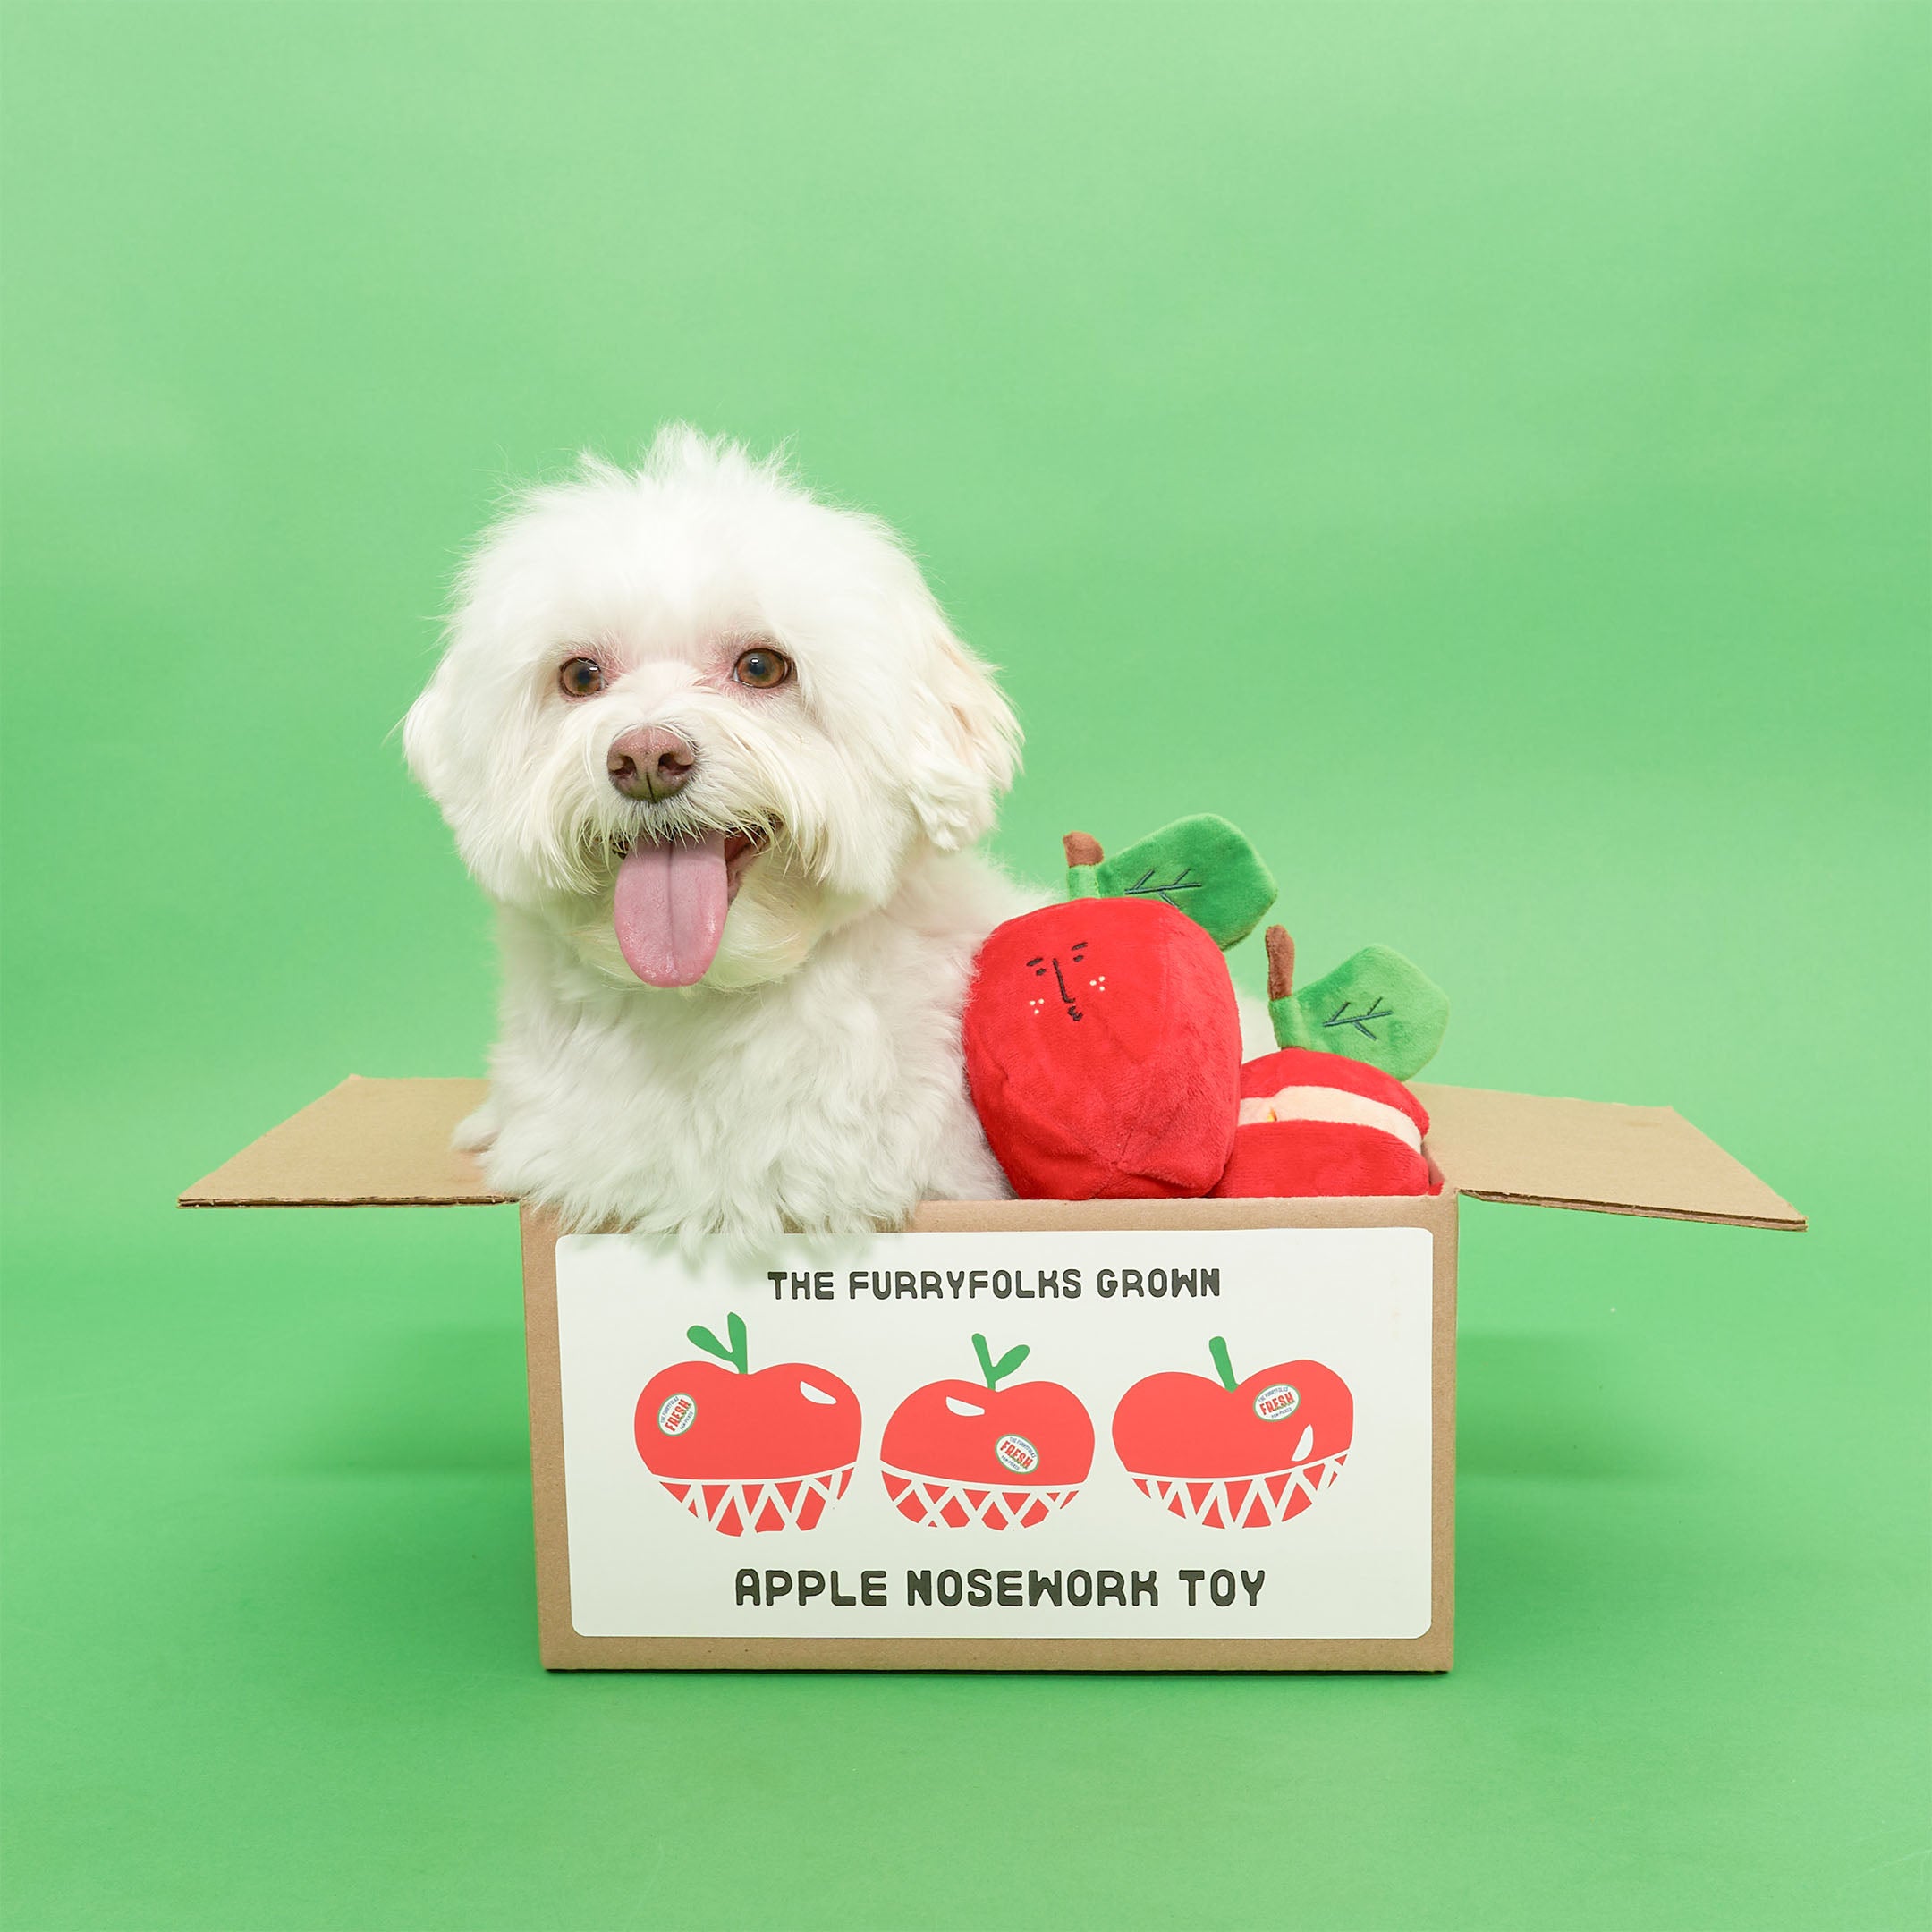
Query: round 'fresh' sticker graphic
(1017, 1454)
(1277, 1401)
(676, 1414)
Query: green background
(1482, 451)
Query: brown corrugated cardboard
(371, 1142)
(563, 1648)
(386, 1143)
(1593, 1154)
(367, 1143)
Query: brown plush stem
(1280, 962)
(1081, 850)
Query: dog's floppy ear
(425, 736)
(967, 746)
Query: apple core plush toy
(1102, 1037)
(1316, 1123)
(1329, 1114)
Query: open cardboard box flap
(1593, 1154)
(386, 1143)
(368, 1143)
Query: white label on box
(1176, 1433)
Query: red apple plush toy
(962, 1452)
(769, 1451)
(1236, 1455)
(1316, 1123)
(1329, 1114)
(1102, 1037)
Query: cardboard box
(1341, 1559)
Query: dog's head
(696, 719)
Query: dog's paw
(476, 1132)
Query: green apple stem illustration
(1224, 1368)
(739, 1353)
(996, 1372)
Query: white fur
(812, 1078)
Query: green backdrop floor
(1480, 451)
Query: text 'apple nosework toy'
(1236, 1455)
(956, 1454)
(1102, 1039)
(1329, 1114)
(769, 1451)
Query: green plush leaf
(1375, 1006)
(1200, 866)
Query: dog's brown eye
(580, 677)
(762, 667)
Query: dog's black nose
(651, 763)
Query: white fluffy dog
(712, 751)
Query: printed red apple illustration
(956, 1454)
(1236, 1455)
(742, 1450)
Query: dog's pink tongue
(669, 909)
